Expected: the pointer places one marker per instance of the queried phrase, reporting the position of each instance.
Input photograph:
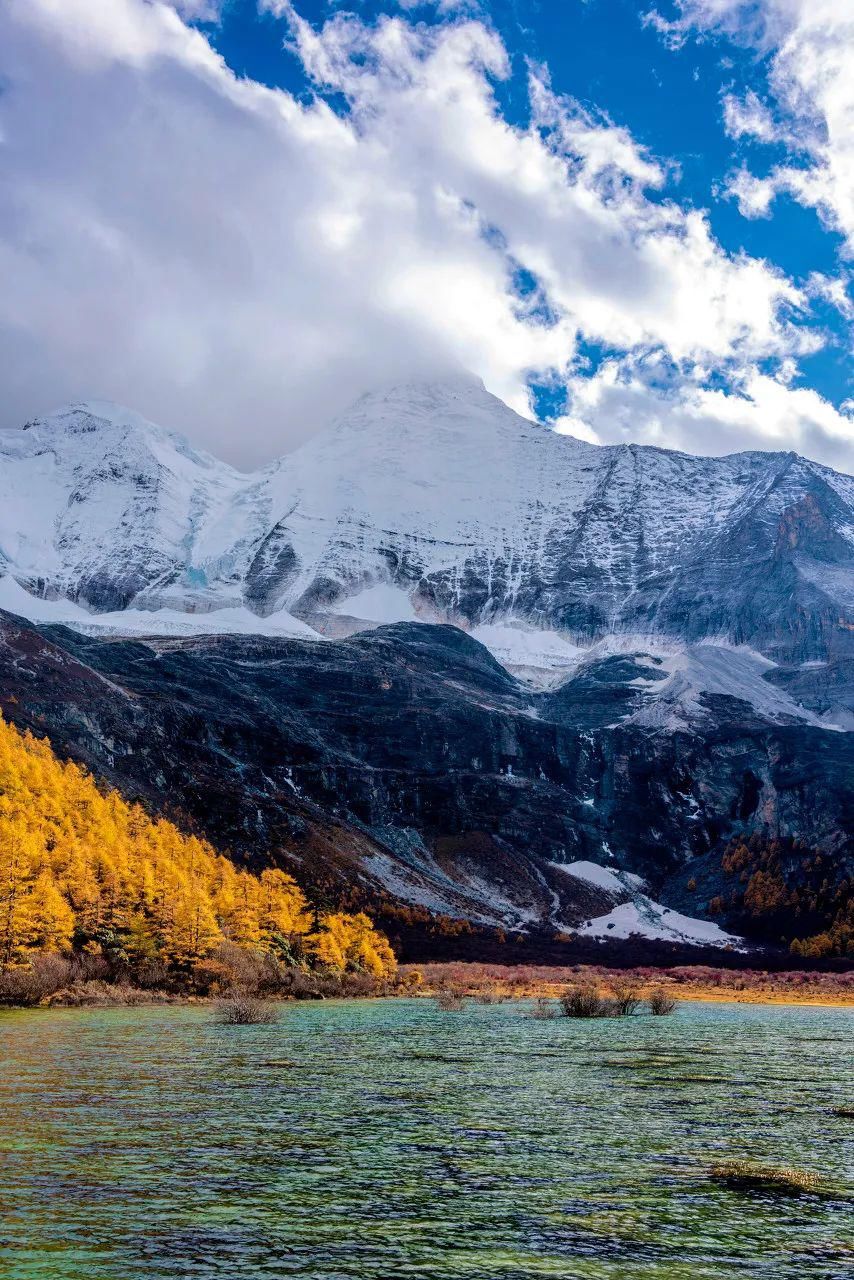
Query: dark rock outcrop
(407, 763)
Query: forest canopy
(82, 869)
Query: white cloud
(753, 195)
(624, 401)
(239, 263)
(811, 78)
(199, 10)
(833, 290)
(750, 117)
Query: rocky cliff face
(407, 761)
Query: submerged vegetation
(747, 1175)
(92, 888)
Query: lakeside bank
(685, 982)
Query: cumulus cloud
(240, 263)
(626, 401)
(811, 80)
(750, 117)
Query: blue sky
(603, 53)
(635, 221)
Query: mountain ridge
(443, 495)
(444, 657)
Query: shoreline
(682, 997)
(483, 993)
(484, 982)
(685, 995)
(764, 997)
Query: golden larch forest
(82, 868)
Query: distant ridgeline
(82, 869)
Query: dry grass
(683, 982)
(491, 993)
(746, 1175)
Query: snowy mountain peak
(458, 407)
(91, 415)
(107, 425)
(102, 420)
(455, 386)
(433, 500)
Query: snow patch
(382, 603)
(541, 657)
(603, 877)
(148, 622)
(652, 920)
(640, 914)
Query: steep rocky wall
(408, 759)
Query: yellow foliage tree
(83, 866)
(351, 942)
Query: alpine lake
(388, 1140)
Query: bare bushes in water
(626, 999)
(243, 1009)
(544, 1009)
(587, 1001)
(661, 1002)
(449, 1001)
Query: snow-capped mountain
(678, 633)
(434, 502)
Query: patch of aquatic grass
(674, 1069)
(748, 1175)
(696, 1079)
(448, 1001)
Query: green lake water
(385, 1139)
